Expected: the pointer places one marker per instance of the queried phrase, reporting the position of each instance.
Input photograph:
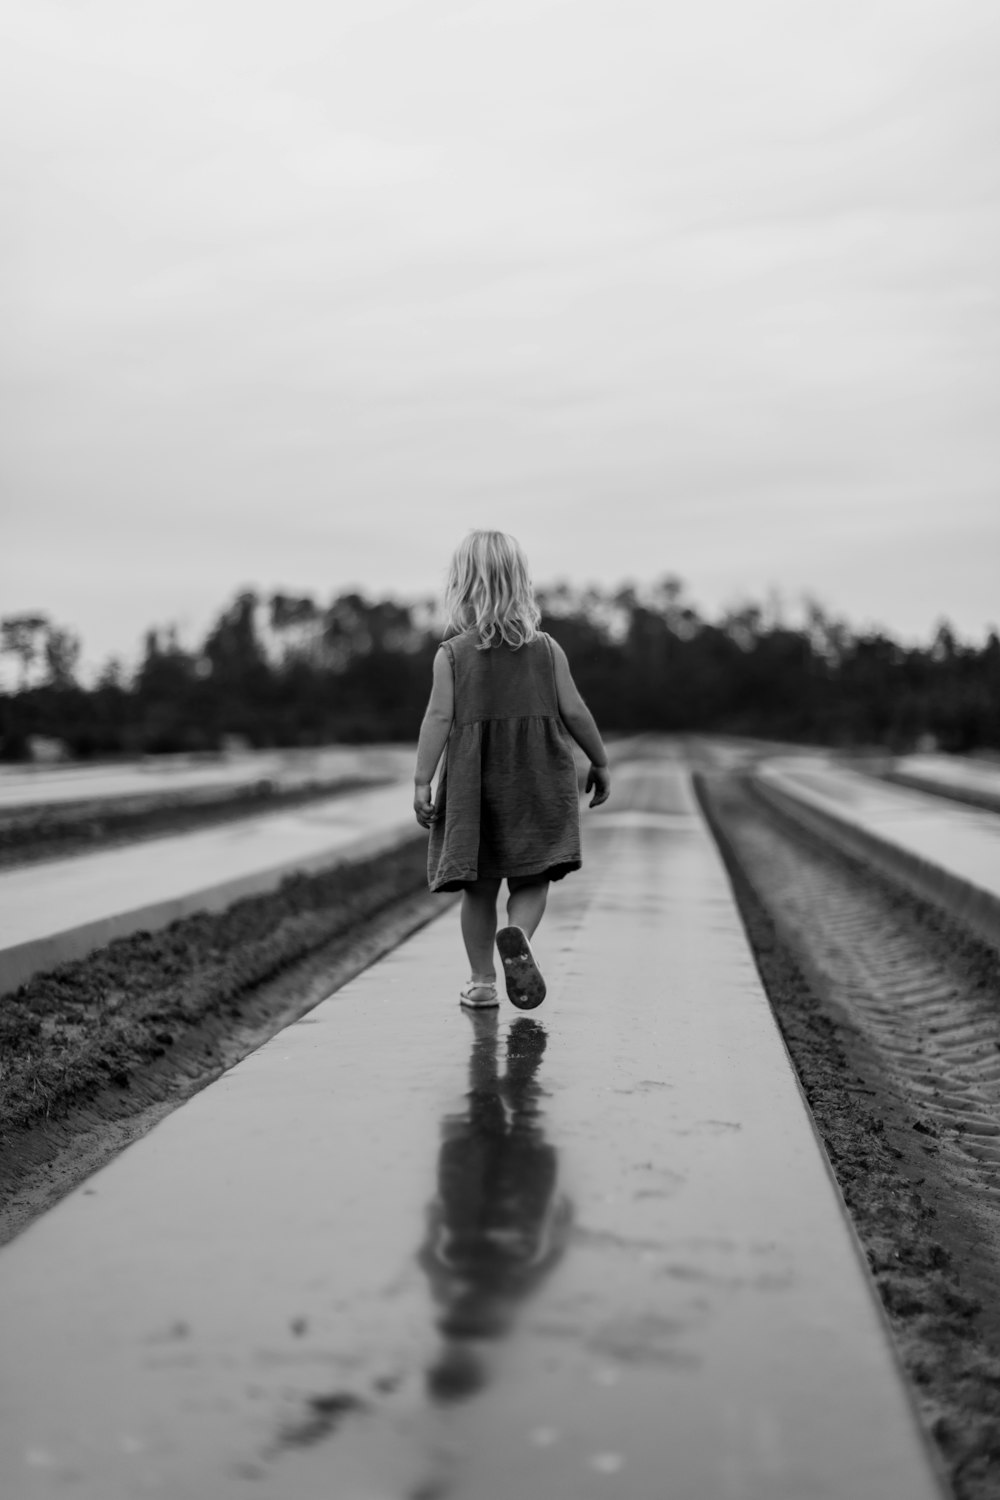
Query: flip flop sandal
(525, 985)
(477, 996)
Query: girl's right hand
(422, 804)
(598, 779)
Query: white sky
(294, 293)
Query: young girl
(507, 808)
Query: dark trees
(287, 671)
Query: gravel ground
(94, 1052)
(892, 1020)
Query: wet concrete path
(405, 1252)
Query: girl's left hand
(422, 804)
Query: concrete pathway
(61, 909)
(947, 852)
(402, 1253)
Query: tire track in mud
(892, 1018)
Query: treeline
(287, 671)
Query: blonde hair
(489, 590)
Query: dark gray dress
(508, 800)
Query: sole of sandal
(525, 985)
(478, 1004)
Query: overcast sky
(295, 293)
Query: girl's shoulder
(459, 647)
(461, 640)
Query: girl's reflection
(497, 1226)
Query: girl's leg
(526, 904)
(479, 927)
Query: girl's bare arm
(434, 732)
(580, 722)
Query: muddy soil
(39, 832)
(93, 1053)
(892, 1020)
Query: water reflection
(497, 1225)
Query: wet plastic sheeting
(177, 775)
(963, 842)
(406, 1252)
(952, 771)
(62, 908)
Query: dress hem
(554, 870)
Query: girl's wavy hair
(489, 590)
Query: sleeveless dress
(508, 800)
